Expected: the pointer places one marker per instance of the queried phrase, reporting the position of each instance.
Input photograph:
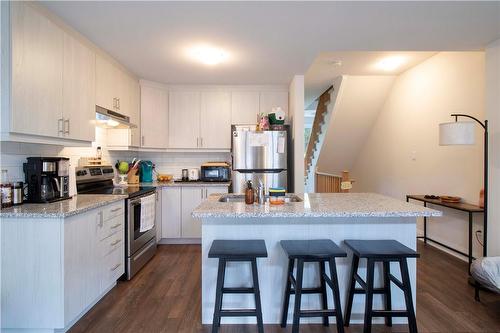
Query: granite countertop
(186, 184)
(76, 205)
(316, 205)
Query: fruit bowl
(164, 178)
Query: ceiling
(325, 68)
(269, 42)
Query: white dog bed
(486, 271)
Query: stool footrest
(318, 313)
(360, 281)
(238, 313)
(375, 291)
(308, 291)
(389, 313)
(396, 281)
(238, 290)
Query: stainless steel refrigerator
(259, 156)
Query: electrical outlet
(414, 155)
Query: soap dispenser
(249, 195)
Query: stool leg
(218, 295)
(324, 296)
(336, 295)
(350, 291)
(298, 296)
(258, 306)
(387, 295)
(370, 268)
(405, 276)
(286, 297)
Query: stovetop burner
(131, 191)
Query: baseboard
(179, 241)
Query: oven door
(135, 238)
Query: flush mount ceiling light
(208, 55)
(390, 63)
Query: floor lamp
(463, 133)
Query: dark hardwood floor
(166, 297)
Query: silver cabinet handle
(142, 140)
(116, 242)
(114, 103)
(206, 193)
(60, 125)
(118, 103)
(115, 226)
(201, 142)
(115, 267)
(198, 142)
(116, 209)
(66, 128)
(201, 193)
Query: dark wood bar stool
(385, 251)
(237, 250)
(318, 251)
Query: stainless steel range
(140, 246)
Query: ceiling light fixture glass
(390, 63)
(208, 55)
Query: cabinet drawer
(108, 227)
(111, 243)
(113, 210)
(113, 266)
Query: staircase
(326, 104)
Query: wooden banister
(331, 183)
(319, 118)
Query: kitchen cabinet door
(107, 83)
(78, 90)
(184, 119)
(135, 111)
(158, 217)
(154, 117)
(191, 198)
(37, 72)
(215, 123)
(244, 107)
(171, 212)
(270, 99)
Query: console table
(464, 207)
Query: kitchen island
(335, 216)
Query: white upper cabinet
(37, 73)
(107, 76)
(215, 120)
(184, 119)
(244, 107)
(78, 90)
(154, 117)
(270, 99)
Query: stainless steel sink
(241, 198)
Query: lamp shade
(457, 133)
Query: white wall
(296, 114)
(402, 155)
(356, 109)
(493, 115)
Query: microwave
(215, 172)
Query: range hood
(110, 119)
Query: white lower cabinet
(191, 198)
(55, 269)
(177, 204)
(171, 212)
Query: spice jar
(17, 193)
(6, 190)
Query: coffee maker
(47, 179)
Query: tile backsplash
(13, 155)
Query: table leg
(425, 226)
(470, 241)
